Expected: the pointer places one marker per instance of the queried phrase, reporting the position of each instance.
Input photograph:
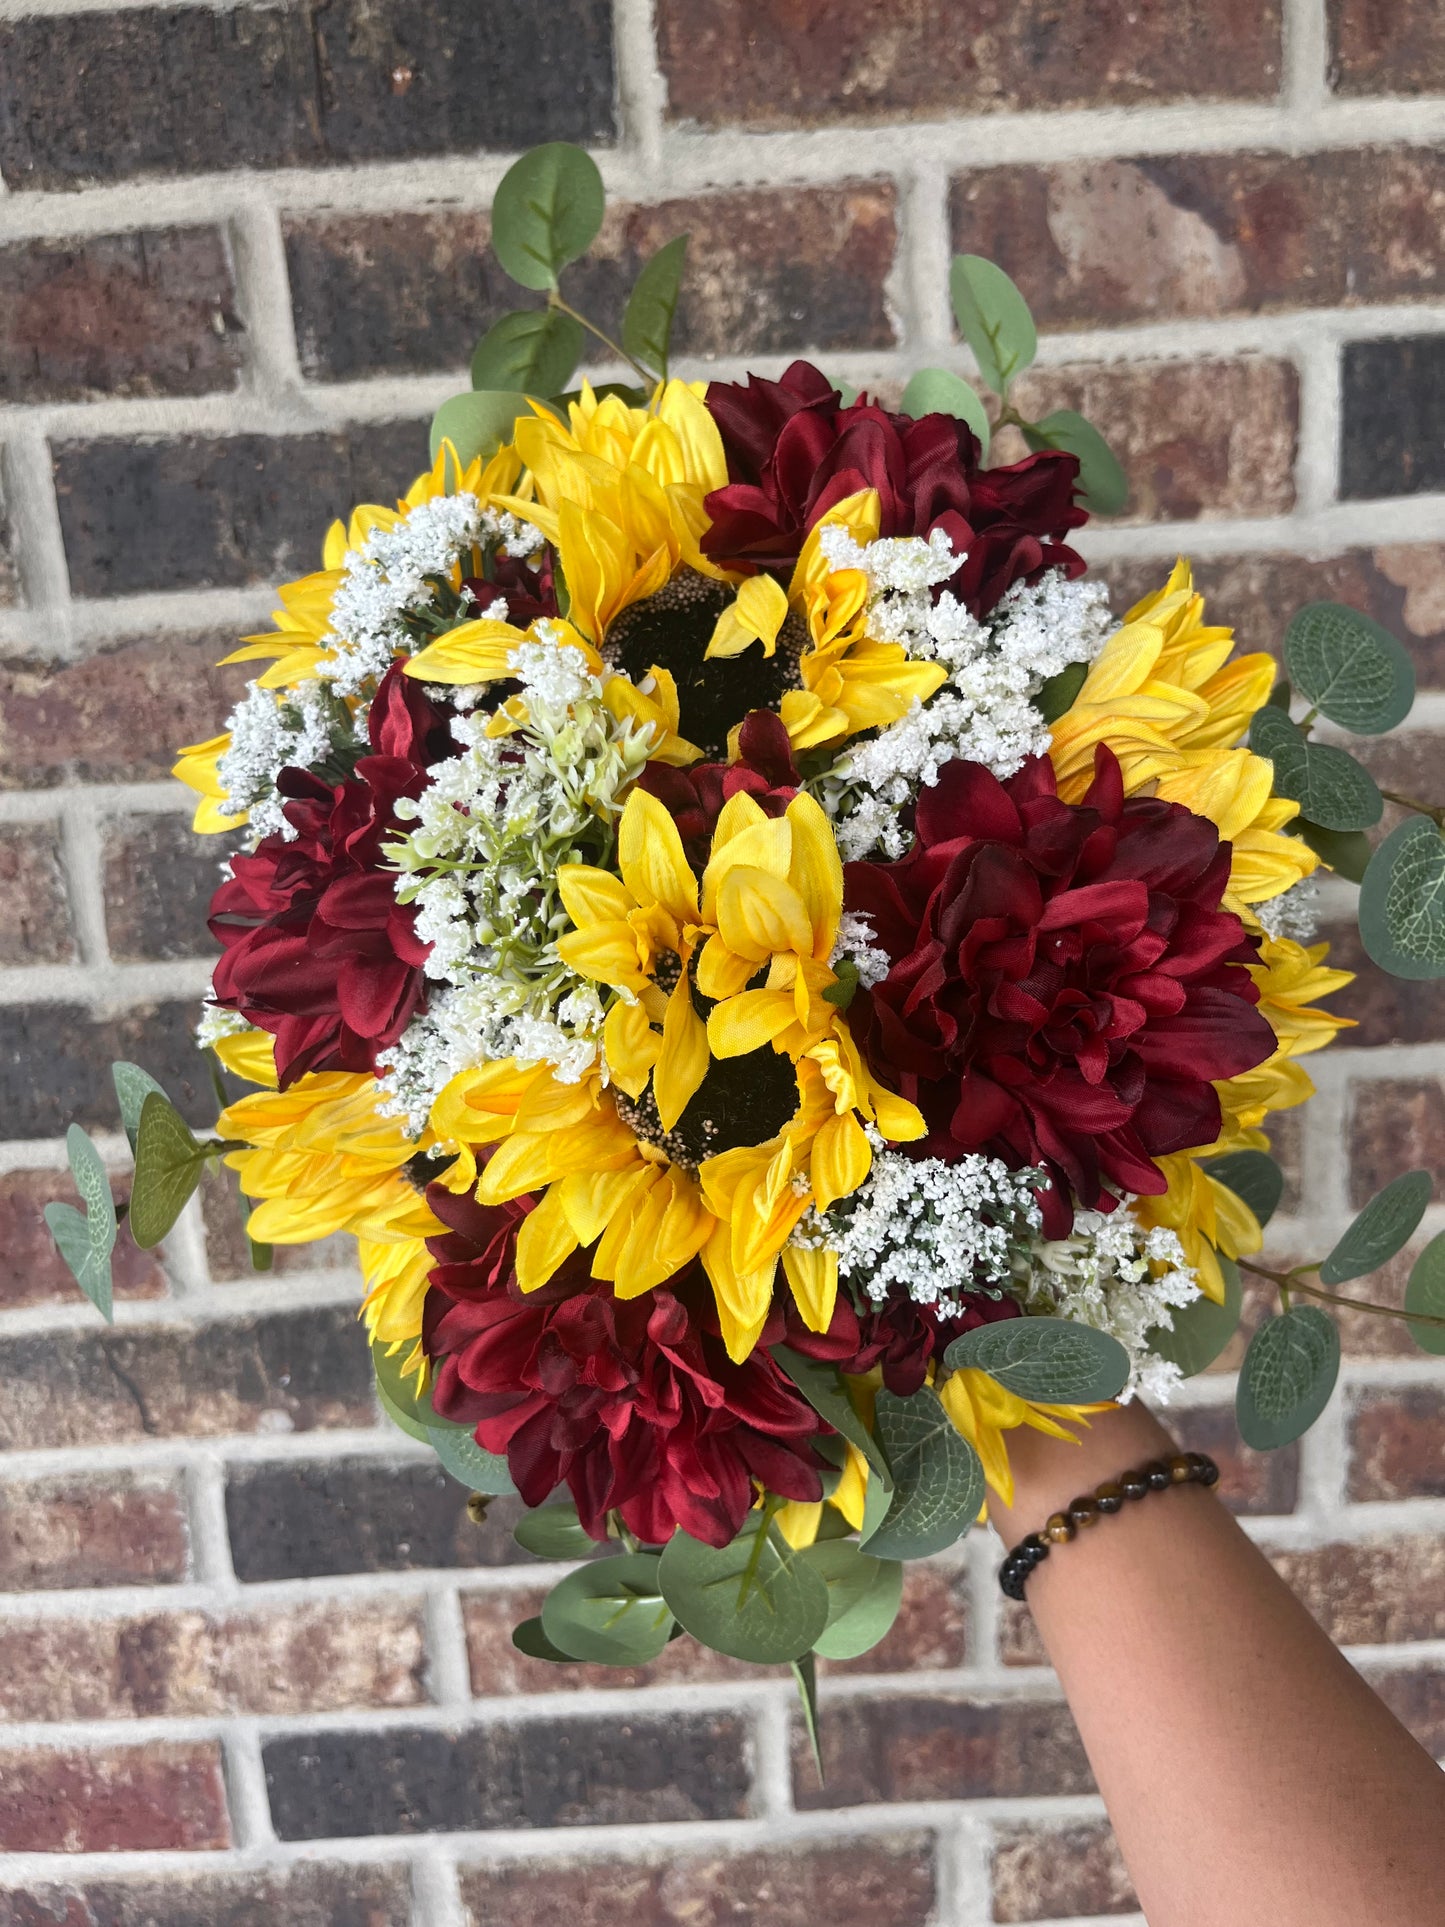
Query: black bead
(1209, 1474)
(1038, 1547)
(1158, 1475)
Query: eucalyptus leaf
(937, 1477)
(1103, 486)
(397, 1392)
(864, 1594)
(934, 391)
(89, 1266)
(847, 393)
(470, 1464)
(547, 211)
(408, 1405)
(1425, 1295)
(1059, 694)
(1349, 668)
(1385, 1226)
(1253, 1176)
(1052, 1360)
(652, 306)
(1346, 852)
(805, 1677)
(1279, 696)
(611, 1612)
(877, 1502)
(88, 1171)
(993, 318)
(530, 352)
(822, 1385)
(132, 1087)
(1402, 902)
(168, 1166)
(477, 424)
(553, 1532)
(1331, 788)
(530, 1639)
(755, 1599)
(1288, 1375)
(1201, 1329)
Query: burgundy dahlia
(317, 949)
(694, 797)
(900, 1337)
(1064, 985)
(633, 1404)
(794, 451)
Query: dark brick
(306, 1895)
(940, 1749)
(133, 1797)
(88, 97)
(1040, 1871)
(1394, 49)
(1416, 1696)
(115, 717)
(1386, 1009)
(769, 273)
(115, 1530)
(307, 1520)
(785, 63)
(1396, 1124)
(34, 909)
(1097, 242)
(1397, 1443)
(32, 1271)
(149, 313)
(292, 1372)
(1374, 1592)
(55, 1064)
(159, 880)
(1392, 434)
(538, 1773)
(206, 512)
(883, 1881)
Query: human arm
(1249, 1772)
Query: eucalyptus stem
(1435, 811)
(1291, 1281)
(555, 300)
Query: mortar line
(641, 89)
(81, 850)
(35, 526)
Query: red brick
(55, 1063)
(769, 273)
(34, 910)
(159, 878)
(914, 1748)
(1397, 1443)
(147, 313)
(115, 717)
(786, 63)
(299, 1896)
(1416, 1696)
(312, 1659)
(160, 1796)
(1198, 439)
(96, 1531)
(1041, 1871)
(1396, 1124)
(1098, 242)
(32, 1271)
(1376, 1592)
(880, 1881)
(1393, 49)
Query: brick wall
(253, 1653)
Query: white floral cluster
(854, 944)
(492, 830)
(985, 711)
(271, 732)
(1294, 913)
(927, 1229)
(1116, 1275)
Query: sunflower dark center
(742, 1100)
(672, 629)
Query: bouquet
(783, 986)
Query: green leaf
(1202, 1329)
(1425, 1295)
(73, 1233)
(864, 1594)
(94, 1187)
(847, 393)
(1331, 788)
(755, 1599)
(546, 212)
(132, 1087)
(652, 306)
(1402, 902)
(1351, 669)
(993, 318)
(611, 1612)
(553, 1532)
(411, 1411)
(398, 1395)
(1347, 852)
(262, 1255)
(168, 1166)
(1253, 1176)
(823, 1387)
(1289, 1373)
(470, 1464)
(1053, 1360)
(805, 1677)
(937, 1477)
(1059, 694)
(1385, 1226)
(530, 1639)
(477, 424)
(934, 391)
(532, 352)
(1103, 486)
(1279, 696)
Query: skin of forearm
(1248, 1771)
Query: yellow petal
(840, 1159)
(813, 1275)
(650, 857)
(631, 1045)
(544, 1241)
(747, 1022)
(592, 896)
(683, 1061)
(720, 973)
(816, 871)
(756, 615)
(759, 915)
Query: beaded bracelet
(1185, 1468)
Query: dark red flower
(633, 1404)
(528, 593)
(317, 949)
(1064, 984)
(793, 452)
(694, 797)
(900, 1337)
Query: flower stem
(648, 379)
(1435, 811)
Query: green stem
(1290, 1281)
(555, 300)
(1436, 812)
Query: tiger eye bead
(1133, 1485)
(1158, 1475)
(1109, 1497)
(1060, 1528)
(1180, 1470)
(1084, 1511)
